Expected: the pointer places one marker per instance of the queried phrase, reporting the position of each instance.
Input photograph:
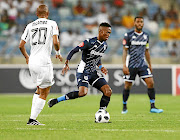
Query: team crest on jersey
(145, 36)
(124, 42)
(81, 44)
(134, 37)
(86, 78)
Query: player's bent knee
(108, 92)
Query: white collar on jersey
(138, 33)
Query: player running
(136, 43)
(92, 51)
(42, 34)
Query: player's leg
(105, 99)
(151, 93)
(39, 105)
(44, 80)
(97, 80)
(147, 76)
(129, 79)
(126, 91)
(82, 80)
(35, 97)
(34, 75)
(71, 95)
(100, 83)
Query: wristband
(100, 66)
(58, 52)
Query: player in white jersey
(42, 35)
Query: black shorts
(143, 72)
(95, 79)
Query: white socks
(37, 106)
(34, 100)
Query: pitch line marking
(110, 130)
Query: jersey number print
(39, 35)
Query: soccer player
(136, 43)
(42, 34)
(92, 51)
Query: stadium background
(78, 20)
(75, 119)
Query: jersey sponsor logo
(138, 42)
(93, 52)
(81, 44)
(124, 42)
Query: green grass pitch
(74, 120)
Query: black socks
(104, 101)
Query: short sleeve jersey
(40, 34)
(92, 51)
(136, 43)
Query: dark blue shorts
(143, 72)
(95, 79)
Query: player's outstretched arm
(23, 50)
(57, 47)
(71, 53)
(125, 68)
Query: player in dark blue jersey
(92, 51)
(136, 43)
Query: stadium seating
(66, 20)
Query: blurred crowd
(79, 19)
(11, 11)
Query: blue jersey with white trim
(92, 51)
(137, 43)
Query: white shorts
(42, 75)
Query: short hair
(105, 24)
(138, 17)
(42, 9)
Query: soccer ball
(102, 116)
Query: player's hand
(59, 57)
(150, 68)
(27, 60)
(126, 70)
(65, 69)
(104, 70)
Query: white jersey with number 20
(40, 34)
